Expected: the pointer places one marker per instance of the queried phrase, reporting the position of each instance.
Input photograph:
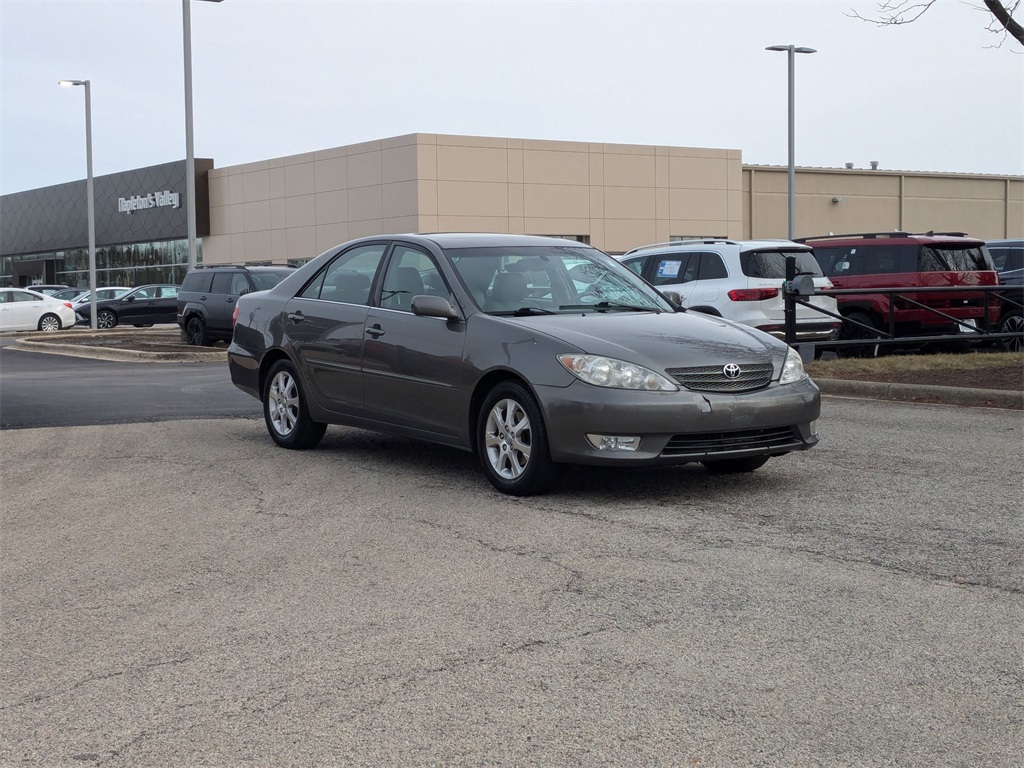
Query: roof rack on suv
(700, 241)
(874, 235)
(864, 235)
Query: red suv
(902, 260)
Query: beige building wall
(616, 196)
(989, 207)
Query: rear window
(941, 258)
(772, 264)
(265, 279)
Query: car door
(324, 324)
(6, 310)
(132, 307)
(412, 365)
(673, 272)
(26, 311)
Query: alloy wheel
(283, 403)
(49, 323)
(508, 439)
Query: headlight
(606, 372)
(793, 368)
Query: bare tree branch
(893, 13)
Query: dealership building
(613, 196)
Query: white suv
(737, 280)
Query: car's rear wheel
(49, 322)
(106, 319)
(195, 332)
(285, 411)
(1012, 322)
(735, 466)
(512, 442)
(851, 331)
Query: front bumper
(679, 427)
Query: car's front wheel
(195, 332)
(1012, 322)
(106, 319)
(49, 322)
(735, 466)
(285, 411)
(512, 442)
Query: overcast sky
(281, 77)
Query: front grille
(706, 443)
(712, 378)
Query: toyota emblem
(731, 371)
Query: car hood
(665, 340)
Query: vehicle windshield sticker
(668, 269)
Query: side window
(145, 293)
(669, 270)
(239, 284)
(25, 297)
(5, 297)
(221, 282)
(168, 291)
(198, 282)
(1014, 259)
(711, 267)
(347, 279)
(636, 264)
(411, 272)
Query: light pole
(792, 51)
(90, 197)
(190, 158)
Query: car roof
(689, 245)
(481, 239)
(1011, 242)
(891, 238)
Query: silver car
(529, 351)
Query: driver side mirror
(433, 306)
(129, 298)
(674, 298)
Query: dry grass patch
(893, 363)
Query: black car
(142, 306)
(207, 298)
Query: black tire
(285, 411)
(143, 325)
(49, 322)
(735, 466)
(512, 442)
(1012, 322)
(106, 319)
(851, 331)
(195, 332)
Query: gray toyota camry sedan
(529, 351)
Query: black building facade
(141, 229)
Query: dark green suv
(207, 298)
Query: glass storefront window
(116, 265)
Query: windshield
(772, 264)
(524, 280)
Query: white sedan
(22, 310)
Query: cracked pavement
(185, 593)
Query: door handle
(375, 331)
(296, 317)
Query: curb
(34, 344)
(923, 393)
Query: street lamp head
(805, 50)
(69, 83)
(779, 48)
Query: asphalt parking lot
(182, 592)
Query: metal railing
(797, 292)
